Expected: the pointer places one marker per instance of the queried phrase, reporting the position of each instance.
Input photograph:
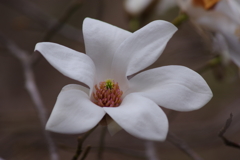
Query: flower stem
(180, 19)
(86, 152)
(182, 145)
(101, 143)
(81, 139)
(210, 64)
(134, 24)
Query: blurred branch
(58, 25)
(100, 9)
(121, 151)
(81, 139)
(222, 132)
(101, 143)
(74, 6)
(227, 125)
(150, 151)
(183, 146)
(32, 89)
(182, 17)
(86, 152)
(128, 152)
(33, 12)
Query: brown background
(21, 137)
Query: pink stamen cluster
(107, 97)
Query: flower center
(108, 94)
(206, 4)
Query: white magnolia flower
(221, 17)
(137, 7)
(113, 54)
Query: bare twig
(100, 9)
(227, 125)
(121, 151)
(183, 146)
(42, 18)
(222, 132)
(32, 89)
(150, 151)
(81, 139)
(101, 143)
(74, 6)
(58, 25)
(86, 152)
(128, 152)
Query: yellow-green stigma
(109, 84)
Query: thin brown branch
(227, 125)
(100, 9)
(81, 139)
(32, 89)
(127, 152)
(121, 151)
(151, 151)
(58, 25)
(222, 132)
(74, 6)
(35, 13)
(85, 153)
(101, 143)
(179, 143)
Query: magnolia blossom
(222, 17)
(137, 7)
(112, 55)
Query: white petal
(72, 64)
(230, 8)
(101, 42)
(164, 5)
(140, 117)
(234, 48)
(76, 87)
(220, 46)
(173, 87)
(141, 49)
(73, 112)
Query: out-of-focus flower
(138, 7)
(165, 5)
(222, 18)
(112, 55)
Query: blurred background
(27, 22)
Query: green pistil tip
(109, 84)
